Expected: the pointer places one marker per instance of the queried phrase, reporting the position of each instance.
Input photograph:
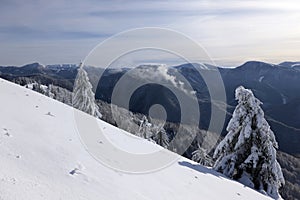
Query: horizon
(232, 33)
(168, 65)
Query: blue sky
(232, 32)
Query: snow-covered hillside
(42, 157)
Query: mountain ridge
(264, 79)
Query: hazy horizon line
(157, 63)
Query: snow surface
(296, 65)
(283, 97)
(42, 157)
(261, 78)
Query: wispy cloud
(232, 31)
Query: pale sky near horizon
(232, 32)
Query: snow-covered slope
(42, 157)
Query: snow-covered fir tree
(160, 136)
(83, 96)
(248, 152)
(61, 94)
(49, 91)
(144, 129)
(201, 156)
(154, 131)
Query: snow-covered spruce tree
(160, 136)
(83, 96)
(154, 131)
(200, 155)
(49, 91)
(248, 152)
(144, 129)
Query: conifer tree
(248, 152)
(160, 136)
(200, 155)
(83, 96)
(144, 129)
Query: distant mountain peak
(33, 65)
(290, 64)
(257, 63)
(203, 66)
